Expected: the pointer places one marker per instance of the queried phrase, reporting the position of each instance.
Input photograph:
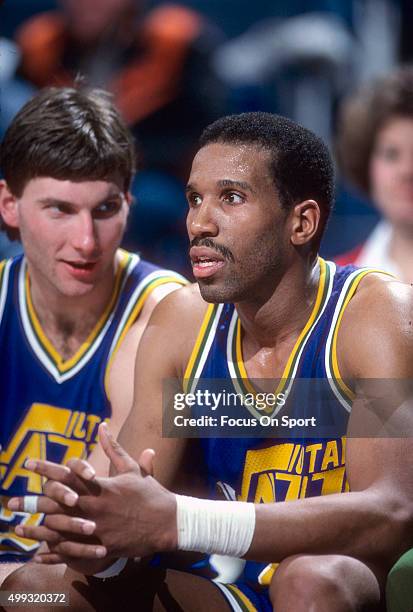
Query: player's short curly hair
(68, 134)
(301, 164)
(363, 114)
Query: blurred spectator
(157, 65)
(375, 153)
(300, 64)
(300, 61)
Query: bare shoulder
(181, 308)
(120, 370)
(379, 295)
(376, 335)
(157, 295)
(174, 326)
(124, 358)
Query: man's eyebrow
(57, 201)
(226, 183)
(54, 201)
(231, 183)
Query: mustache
(219, 248)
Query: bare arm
(163, 354)
(373, 524)
(374, 521)
(122, 372)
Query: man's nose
(202, 220)
(406, 166)
(85, 238)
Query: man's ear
(129, 198)
(8, 206)
(306, 217)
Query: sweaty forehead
(219, 161)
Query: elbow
(397, 528)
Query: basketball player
(73, 308)
(319, 520)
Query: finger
(44, 504)
(60, 493)
(83, 477)
(81, 468)
(38, 532)
(51, 470)
(80, 551)
(59, 473)
(119, 458)
(145, 461)
(70, 525)
(49, 558)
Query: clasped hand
(89, 517)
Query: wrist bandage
(221, 527)
(113, 570)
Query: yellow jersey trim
(59, 362)
(132, 317)
(245, 604)
(334, 360)
(3, 286)
(318, 304)
(198, 346)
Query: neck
(271, 321)
(401, 250)
(68, 321)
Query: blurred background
(174, 68)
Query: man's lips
(80, 269)
(81, 265)
(205, 261)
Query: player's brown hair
(68, 134)
(363, 114)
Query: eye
(107, 209)
(232, 197)
(58, 209)
(194, 199)
(388, 153)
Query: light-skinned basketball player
(73, 308)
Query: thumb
(145, 461)
(119, 458)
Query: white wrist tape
(113, 570)
(221, 527)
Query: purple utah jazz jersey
(283, 468)
(50, 408)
